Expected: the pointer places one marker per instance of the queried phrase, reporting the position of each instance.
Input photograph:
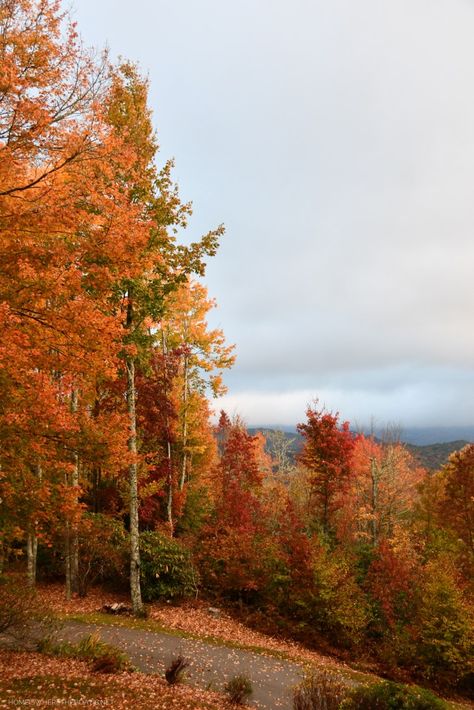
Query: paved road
(211, 666)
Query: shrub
(319, 691)
(392, 696)
(166, 568)
(104, 657)
(109, 663)
(21, 612)
(49, 647)
(176, 671)
(239, 689)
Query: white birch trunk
(135, 588)
(32, 545)
(185, 425)
(74, 544)
(31, 549)
(374, 500)
(67, 557)
(169, 502)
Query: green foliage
(103, 657)
(239, 689)
(365, 554)
(176, 671)
(319, 691)
(197, 508)
(103, 550)
(445, 644)
(339, 606)
(166, 568)
(392, 696)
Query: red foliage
(327, 453)
(231, 540)
(295, 546)
(391, 582)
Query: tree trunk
(185, 424)
(169, 502)
(31, 550)
(374, 501)
(135, 588)
(32, 545)
(67, 556)
(96, 477)
(326, 507)
(74, 551)
(2, 547)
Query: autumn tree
(230, 541)
(281, 448)
(326, 453)
(456, 505)
(383, 491)
(203, 355)
(162, 264)
(88, 253)
(60, 214)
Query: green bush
(392, 696)
(166, 568)
(239, 689)
(319, 691)
(104, 657)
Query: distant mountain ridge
(425, 436)
(419, 436)
(431, 455)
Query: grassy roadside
(156, 627)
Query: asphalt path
(211, 665)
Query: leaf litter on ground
(38, 680)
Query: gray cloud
(336, 141)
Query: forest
(114, 474)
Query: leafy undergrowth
(103, 656)
(43, 682)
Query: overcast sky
(335, 140)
